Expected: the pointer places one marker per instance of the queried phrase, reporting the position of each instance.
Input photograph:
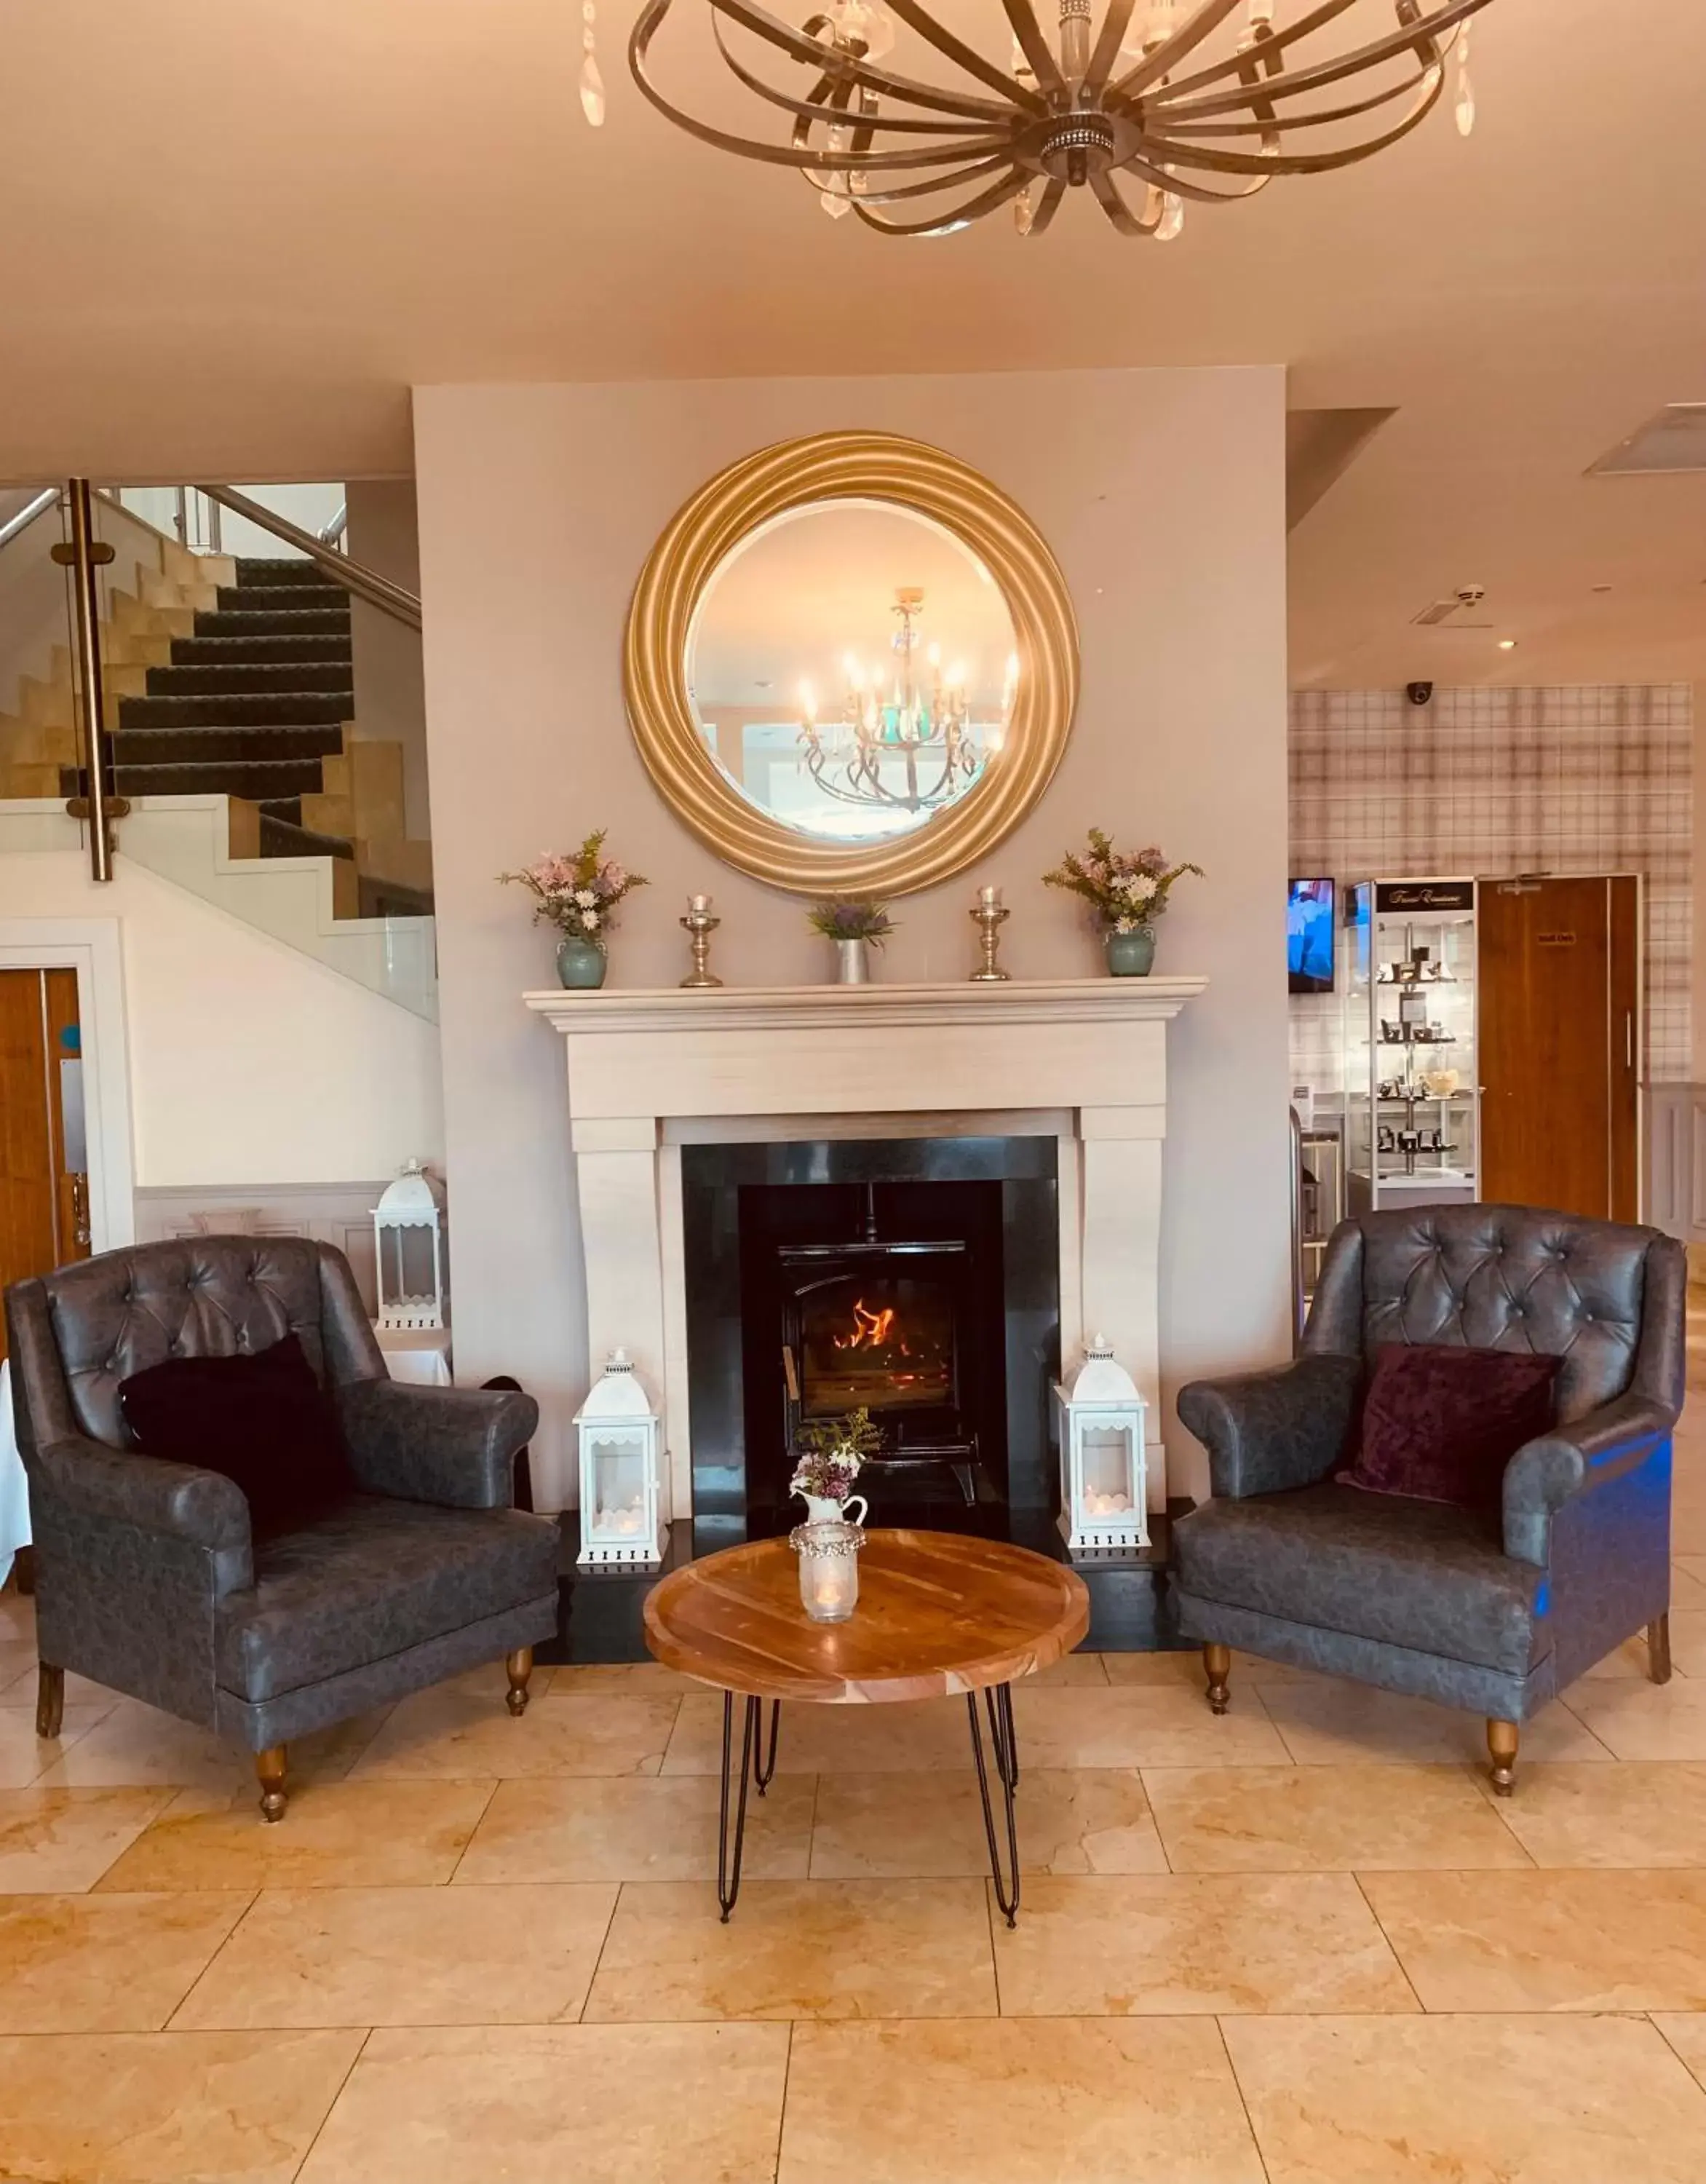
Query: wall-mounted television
(1309, 937)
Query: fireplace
(916, 1279)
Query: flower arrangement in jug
(579, 893)
(851, 918)
(1127, 892)
(832, 1453)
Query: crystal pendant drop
(591, 92)
(1172, 221)
(1466, 87)
(1024, 210)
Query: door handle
(80, 1207)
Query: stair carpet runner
(250, 705)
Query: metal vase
(854, 957)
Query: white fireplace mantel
(1083, 1060)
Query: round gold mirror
(851, 664)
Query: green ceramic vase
(580, 962)
(1131, 955)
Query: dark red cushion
(262, 1420)
(1440, 1421)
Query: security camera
(1419, 693)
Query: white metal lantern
(618, 1430)
(408, 1251)
(1103, 1465)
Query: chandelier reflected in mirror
(1156, 105)
(906, 739)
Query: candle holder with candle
(990, 917)
(829, 1569)
(699, 925)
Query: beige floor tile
(531, 2104)
(798, 1948)
(53, 1842)
(1645, 1721)
(105, 1964)
(19, 1681)
(1687, 2035)
(917, 1825)
(1169, 1669)
(1467, 2100)
(1100, 2102)
(1320, 1819)
(586, 1679)
(1629, 1664)
(17, 1618)
(832, 1740)
(1688, 1640)
(1637, 1814)
(1072, 1669)
(520, 1955)
(24, 1757)
(621, 1827)
(1547, 1941)
(1688, 1582)
(134, 1743)
(167, 2107)
(449, 1732)
(1139, 1726)
(336, 1834)
(1335, 1724)
(1184, 1944)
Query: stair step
(280, 838)
(226, 745)
(287, 808)
(280, 599)
(308, 622)
(288, 569)
(251, 677)
(259, 779)
(390, 898)
(237, 710)
(329, 650)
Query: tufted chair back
(201, 1296)
(1502, 1277)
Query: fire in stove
(870, 1330)
(872, 1353)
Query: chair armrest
(203, 1508)
(456, 1446)
(1268, 1431)
(1574, 1459)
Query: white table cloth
(15, 1498)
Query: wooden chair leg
(50, 1699)
(1501, 1742)
(518, 1666)
(269, 1771)
(1217, 1666)
(1658, 1649)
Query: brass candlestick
(989, 918)
(700, 925)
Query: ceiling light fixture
(1507, 644)
(1158, 95)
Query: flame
(870, 1330)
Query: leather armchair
(147, 1578)
(1493, 1613)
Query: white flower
(586, 897)
(589, 919)
(1142, 888)
(1125, 925)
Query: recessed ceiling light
(1507, 644)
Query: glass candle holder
(829, 1569)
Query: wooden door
(43, 1200)
(1559, 1044)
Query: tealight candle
(698, 902)
(990, 897)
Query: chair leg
(1501, 1742)
(1658, 1649)
(1217, 1666)
(518, 1667)
(269, 1771)
(50, 1699)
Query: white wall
(250, 1064)
(1162, 494)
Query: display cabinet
(1413, 1105)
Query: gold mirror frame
(796, 473)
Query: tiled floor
(1300, 1945)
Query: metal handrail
(14, 525)
(332, 534)
(365, 583)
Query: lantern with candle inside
(618, 1431)
(408, 1251)
(1102, 1462)
(829, 1569)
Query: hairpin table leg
(728, 1864)
(762, 1769)
(1000, 1705)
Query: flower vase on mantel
(856, 927)
(1130, 955)
(853, 963)
(580, 963)
(1127, 893)
(578, 894)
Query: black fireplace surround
(918, 1278)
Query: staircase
(252, 703)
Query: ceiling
(233, 237)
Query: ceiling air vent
(1455, 611)
(1674, 441)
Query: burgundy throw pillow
(263, 1420)
(1440, 1421)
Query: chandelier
(1166, 103)
(918, 728)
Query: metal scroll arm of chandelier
(1192, 101)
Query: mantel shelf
(1016, 1003)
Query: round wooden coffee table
(938, 1616)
